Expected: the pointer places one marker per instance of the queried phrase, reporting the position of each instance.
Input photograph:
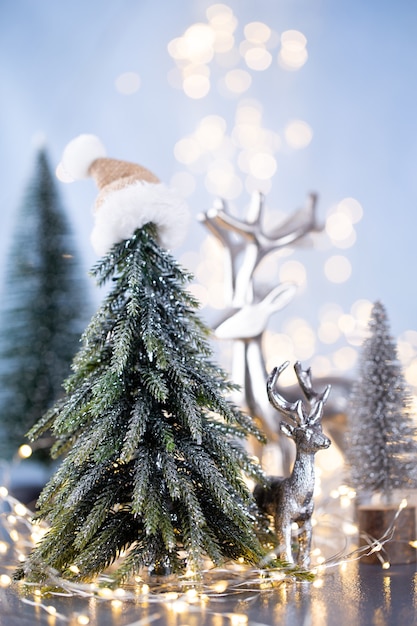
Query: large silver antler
(296, 410)
(254, 242)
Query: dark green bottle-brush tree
(43, 311)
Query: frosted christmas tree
(153, 468)
(382, 446)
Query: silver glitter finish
(290, 500)
(382, 434)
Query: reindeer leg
(283, 533)
(304, 543)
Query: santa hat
(130, 196)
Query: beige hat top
(130, 196)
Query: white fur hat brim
(124, 210)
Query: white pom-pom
(80, 153)
(129, 208)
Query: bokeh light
(62, 175)
(279, 347)
(25, 451)
(293, 53)
(210, 132)
(224, 42)
(262, 165)
(127, 83)
(221, 17)
(352, 208)
(339, 223)
(328, 332)
(410, 373)
(237, 81)
(222, 180)
(338, 226)
(407, 354)
(258, 58)
(187, 150)
(196, 45)
(337, 269)
(321, 366)
(302, 336)
(257, 32)
(298, 134)
(184, 182)
(361, 309)
(196, 85)
(346, 323)
(345, 358)
(293, 271)
(246, 135)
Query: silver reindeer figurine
(290, 500)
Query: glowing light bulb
(119, 592)
(179, 606)
(192, 595)
(171, 595)
(50, 609)
(20, 509)
(25, 451)
(377, 547)
(220, 586)
(238, 619)
(116, 604)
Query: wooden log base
(375, 520)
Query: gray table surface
(360, 595)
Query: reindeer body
(290, 500)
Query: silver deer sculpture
(290, 500)
(245, 244)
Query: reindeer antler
(297, 226)
(314, 397)
(248, 237)
(295, 410)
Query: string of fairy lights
(334, 549)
